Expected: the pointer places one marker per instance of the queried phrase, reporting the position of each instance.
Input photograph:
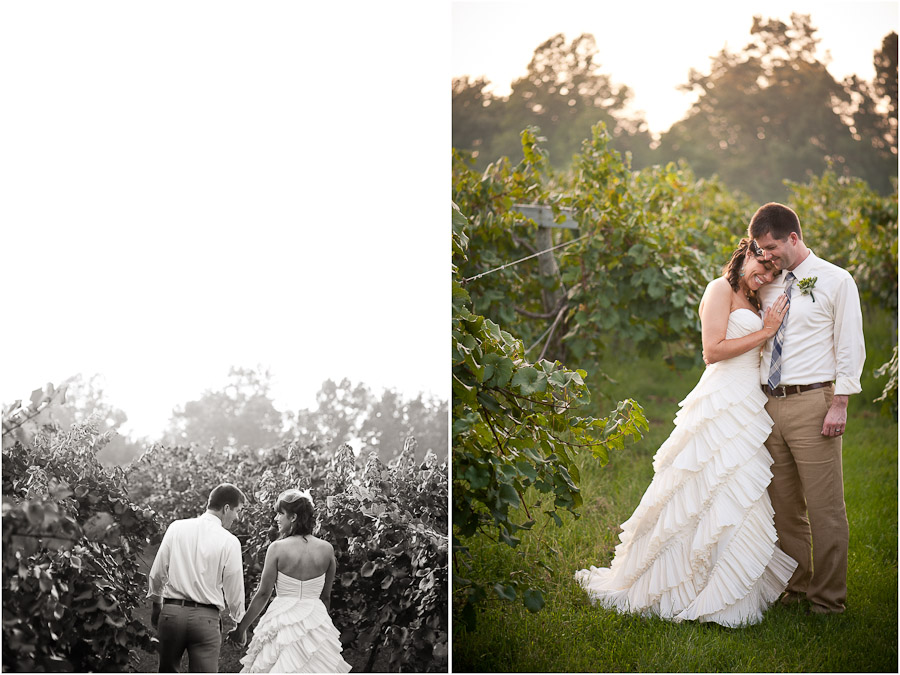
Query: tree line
(764, 114)
(243, 414)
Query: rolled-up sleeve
(849, 343)
(233, 580)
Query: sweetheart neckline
(746, 309)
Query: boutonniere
(807, 285)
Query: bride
(701, 544)
(296, 634)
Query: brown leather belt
(188, 603)
(788, 389)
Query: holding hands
(775, 315)
(237, 636)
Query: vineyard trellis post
(553, 292)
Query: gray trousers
(195, 629)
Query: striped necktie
(778, 346)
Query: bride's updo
(298, 503)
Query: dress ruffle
(295, 635)
(701, 544)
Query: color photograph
(674, 354)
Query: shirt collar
(803, 270)
(211, 518)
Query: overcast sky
(651, 46)
(189, 186)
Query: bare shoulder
(323, 545)
(718, 287)
(718, 293)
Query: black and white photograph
(224, 382)
(674, 398)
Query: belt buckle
(780, 388)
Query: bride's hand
(775, 315)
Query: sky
(651, 46)
(191, 186)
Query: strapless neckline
(302, 581)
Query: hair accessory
(293, 494)
(754, 247)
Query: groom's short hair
(223, 494)
(775, 219)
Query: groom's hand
(836, 417)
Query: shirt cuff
(845, 386)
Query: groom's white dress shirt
(824, 338)
(200, 560)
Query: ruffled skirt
(295, 636)
(701, 544)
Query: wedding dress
(295, 635)
(701, 543)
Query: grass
(570, 635)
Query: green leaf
(506, 592)
(533, 600)
(489, 402)
(508, 495)
(479, 476)
(498, 369)
(529, 380)
(561, 378)
(508, 540)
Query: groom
(809, 370)
(197, 572)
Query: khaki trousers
(807, 493)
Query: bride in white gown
(701, 544)
(296, 634)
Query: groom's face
(782, 252)
(231, 514)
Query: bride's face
(284, 522)
(758, 273)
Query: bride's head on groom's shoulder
(226, 502)
(294, 513)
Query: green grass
(570, 635)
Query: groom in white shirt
(809, 370)
(197, 572)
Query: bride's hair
(300, 504)
(732, 269)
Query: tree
(773, 112)
(85, 399)
(563, 93)
(242, 414)
(391, 420)
(886, 76)
(346, 412)
(340, 409)
(476, 116)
